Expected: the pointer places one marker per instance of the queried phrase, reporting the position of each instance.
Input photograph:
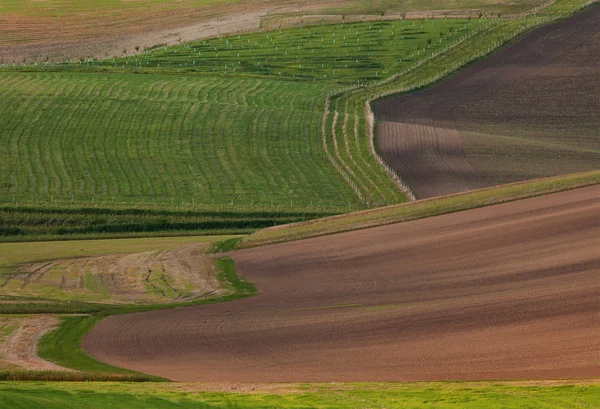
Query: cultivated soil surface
(504, 292)
(530, 110)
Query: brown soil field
(62, 29)
(510, 291)
(530, 110)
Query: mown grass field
(164, 138)
(513, 395)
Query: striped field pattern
(147, 138)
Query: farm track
(523, 113)
(503, 292)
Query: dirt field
(530, 110)
(503, 292)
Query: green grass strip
(420, 209)
(62, 346)
(423, 395)
(227, 273)
(224, 246)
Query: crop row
(18, 223)
(164, 138)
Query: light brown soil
(19, 348)
(528, 111)
(503, 292)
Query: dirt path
(504, 292)
(530, 110)
(19, 348)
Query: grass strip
(226, 273)
(224, 246)
(62, 346)
(420, 209)
(415, 395)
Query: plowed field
(530, 110)
(502, 292)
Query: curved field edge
(63, 345)
(361, 164)
(466, 395)
(420, 209)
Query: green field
(464, 395)
(340, 53)
(146, 138)
(216, 139)
(217, 151)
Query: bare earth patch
(19, 336)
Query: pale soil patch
(19, 336)
(161, 276)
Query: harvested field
(503, 292)
(161, 276)
(523, 113)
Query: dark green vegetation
(71, 221)
(513, 395)
(31, 305)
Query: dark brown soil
(530, 110)
(503, 292)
